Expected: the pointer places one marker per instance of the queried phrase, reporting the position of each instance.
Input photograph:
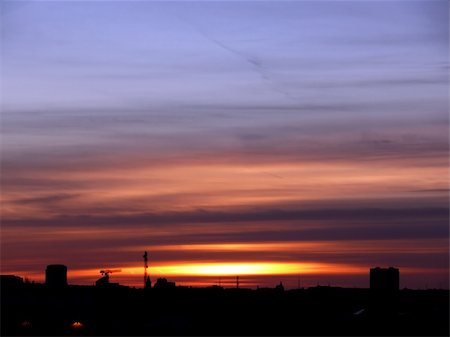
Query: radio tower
(147, 282)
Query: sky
(294, 141)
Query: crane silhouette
(105, 276)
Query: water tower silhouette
(56, 275)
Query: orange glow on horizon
(200, 274)
(234, 268)
(248, 268)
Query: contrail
(255, 64)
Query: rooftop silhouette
(55, 308)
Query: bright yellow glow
(182, 268)
(232, 269)
(246, 268)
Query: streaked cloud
(226, 137)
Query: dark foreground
(77, 310)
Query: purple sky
(130, 125)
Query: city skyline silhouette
(108, 308)
(273, 153)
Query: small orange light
(77, 325)
(26, 324)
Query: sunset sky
(294, 141)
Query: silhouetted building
(102, 281)
(214, 287)
(10, 281)
(163, 283)
(148, 283)
(280, 287)
(56, 275)
(384, 278)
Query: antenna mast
(145, 267)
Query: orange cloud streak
(187, 186)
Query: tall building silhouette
(384, 278)
(56, 275)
